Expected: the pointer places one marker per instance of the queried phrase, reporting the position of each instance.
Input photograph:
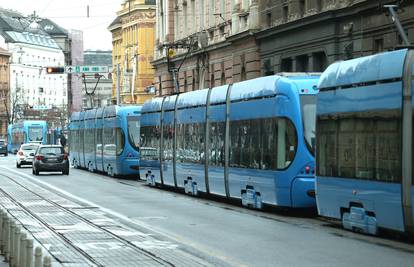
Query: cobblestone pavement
(80, 235)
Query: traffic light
(55, 70)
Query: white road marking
(212, 253)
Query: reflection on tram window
(367, 147)
(267, 144)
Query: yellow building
(133, 50)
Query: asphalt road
(238, 236)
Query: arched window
(243, 74)
(223, 78)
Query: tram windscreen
(35, 134)
(133, 132)
(308, 109)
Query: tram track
(150, 256)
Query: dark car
(3, 147)
(50, 158)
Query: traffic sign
(86, 69)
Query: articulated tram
(252, 140)
(364, 142)
(106, 140)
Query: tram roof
(169, 102)
(153, 104)
(379, 67)
(192, 99)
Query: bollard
(38, 257)
(29, 253)
(47, 261)
(16, 246)
(6, 237)
(11, 243)
(22, 249)
(1, 230)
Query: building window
(285, 13)
(193, 16)
(302, 63)
(302, 8)
(212, 81)
(378, 45)
(185, 84)
(269, 19)
(185, 19)
(223, 78)
(286, 65)
(212, 11)
(201, 14)
(319, 5)
(41, 90)
(243, 74)
(319, 62)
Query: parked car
(50, 158)
(25, 154)
(3, 147)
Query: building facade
(133, 50)
(308, 35)
(99, 91)
(4, 92)
(215, 42)
(208, 43)
(32, 90)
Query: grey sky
(72, 14)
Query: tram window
(133, 132)
(190, 143)
(120, 141)
(81, 140)
(168, 134)
(99, 141)
(267, 144)
(150, 141)
(362, 148)
(216, 136)
(35, 134)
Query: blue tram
(364, 142)
(26, 132)
(106, 139)
(252, 140)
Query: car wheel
(18, 165)
(36, 172)
(65, 172)
(33, 171)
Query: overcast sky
(72, 14)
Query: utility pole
(118, 84)
(397, 23)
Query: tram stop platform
(42, 227)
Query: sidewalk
(79, 235)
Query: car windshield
(51, 150)
(29, 147)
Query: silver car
(26, 154)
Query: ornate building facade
(133, 50)
(308, 35)
(213, 42)
(209, 43)
(4, 91)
